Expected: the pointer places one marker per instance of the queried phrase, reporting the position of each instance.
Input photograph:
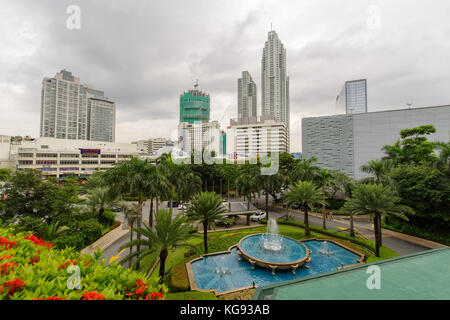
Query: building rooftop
(419, 276)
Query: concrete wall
(374, 130)
(330, 140)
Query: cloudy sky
(145, 54)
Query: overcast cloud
(145, 54)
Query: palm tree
(324, 178)
(270, 184)
(377, 200)
(192, 184)
(380, 169)
(169, 232)
(308, 195)
(130, 214)
(246, 183)
(101, 198)
(442, 162)
(305, 170)
(207, 208)
(132, 177)
(52, 231)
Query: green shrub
(75, 241)
(42, 272)
(334, 204)
(108, 218)
(91, 230)
(422, 232)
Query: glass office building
(353, 97)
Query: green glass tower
(194, 106)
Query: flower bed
(31, 269)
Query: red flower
(13, 286)
(35, 259)
(92, 295)
(50, 298)
(154, 296)
(6, 257)
(5, 268)
(39, 242)
(71, 261)
(54, 298)
(6, 244)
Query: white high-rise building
(75, 111)
(248, 139)
(199, 136)
(246, 96)
(274, 80)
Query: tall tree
(99, 199)
(324, 178)
(132, 177)
(377, 200)
(308, 195)
(169, 232)
(271, 185)
(207, 208)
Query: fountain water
(324, 249)
(222, 270)
(271, 241)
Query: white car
(258, 216)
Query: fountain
(272, 250)
(324, 249)
(271, 240)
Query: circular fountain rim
(271, 264)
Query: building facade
(247, 101)
(151, 146)
(353, 97)
(62, 157)
(346, 142)
(199, 136)
(74, 111)
(194, 106)
(274, 80)
(250, 139)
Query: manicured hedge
(30, 269)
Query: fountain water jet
(324, 249)
(271, 240)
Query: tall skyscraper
(71, 110)
(246, 96)
(194, 106)
(274, 80)
(353, 97)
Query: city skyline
(324, 51)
